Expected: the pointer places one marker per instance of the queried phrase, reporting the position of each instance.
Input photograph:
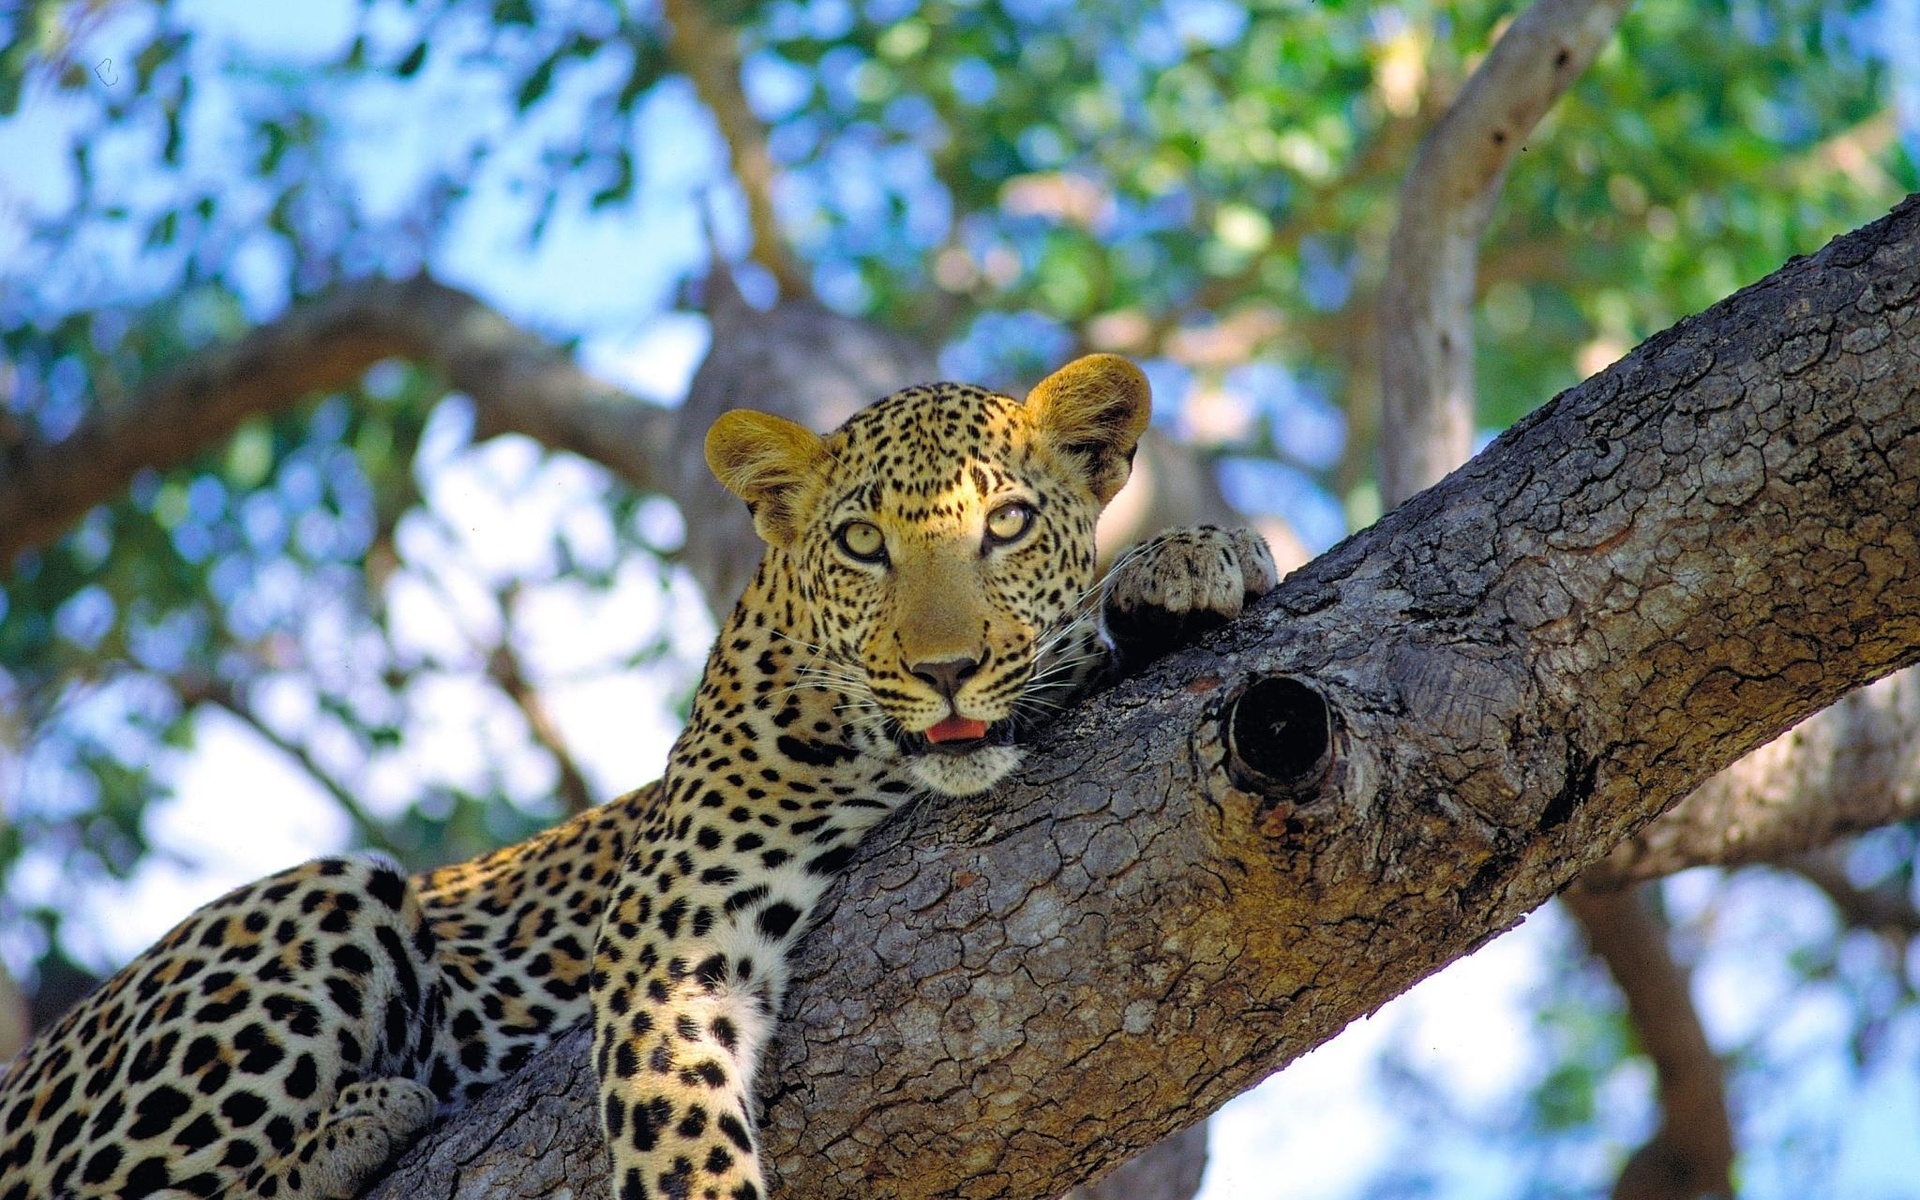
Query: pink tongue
(957, 729)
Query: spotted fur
(922, 600)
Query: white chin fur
(965, 774)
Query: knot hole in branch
(1279, 735)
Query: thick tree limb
(1853, 767)
(1204, 873)
(1426, 325)
(518, 381)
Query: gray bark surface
(1201, 874)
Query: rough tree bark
(1420, 737)
(1854, 767)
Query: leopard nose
(945, 675)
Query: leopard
(927, 595)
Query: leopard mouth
(955, 729)
(996, 733)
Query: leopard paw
(369, 1125)
(1182, 584)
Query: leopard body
(926, 594)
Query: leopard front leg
(1181, 584)
(680, 1019)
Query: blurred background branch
(1691, 1153)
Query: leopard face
(940, 551)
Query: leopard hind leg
(298, 1057)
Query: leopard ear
(763, 459)
(1093, 410)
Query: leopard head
(940, 547)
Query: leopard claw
(1181, 585)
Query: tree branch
(1851, 768)
(1418, 738)
(1691, 1154)
(709, 53)
(1426, 323)
(519, 382)
(1427, 401)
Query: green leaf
(622, 186)
(410, 64)
(162, 231)
(536, 84)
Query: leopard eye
(1008, 522)
(863, 541)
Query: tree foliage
(1205, 186)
